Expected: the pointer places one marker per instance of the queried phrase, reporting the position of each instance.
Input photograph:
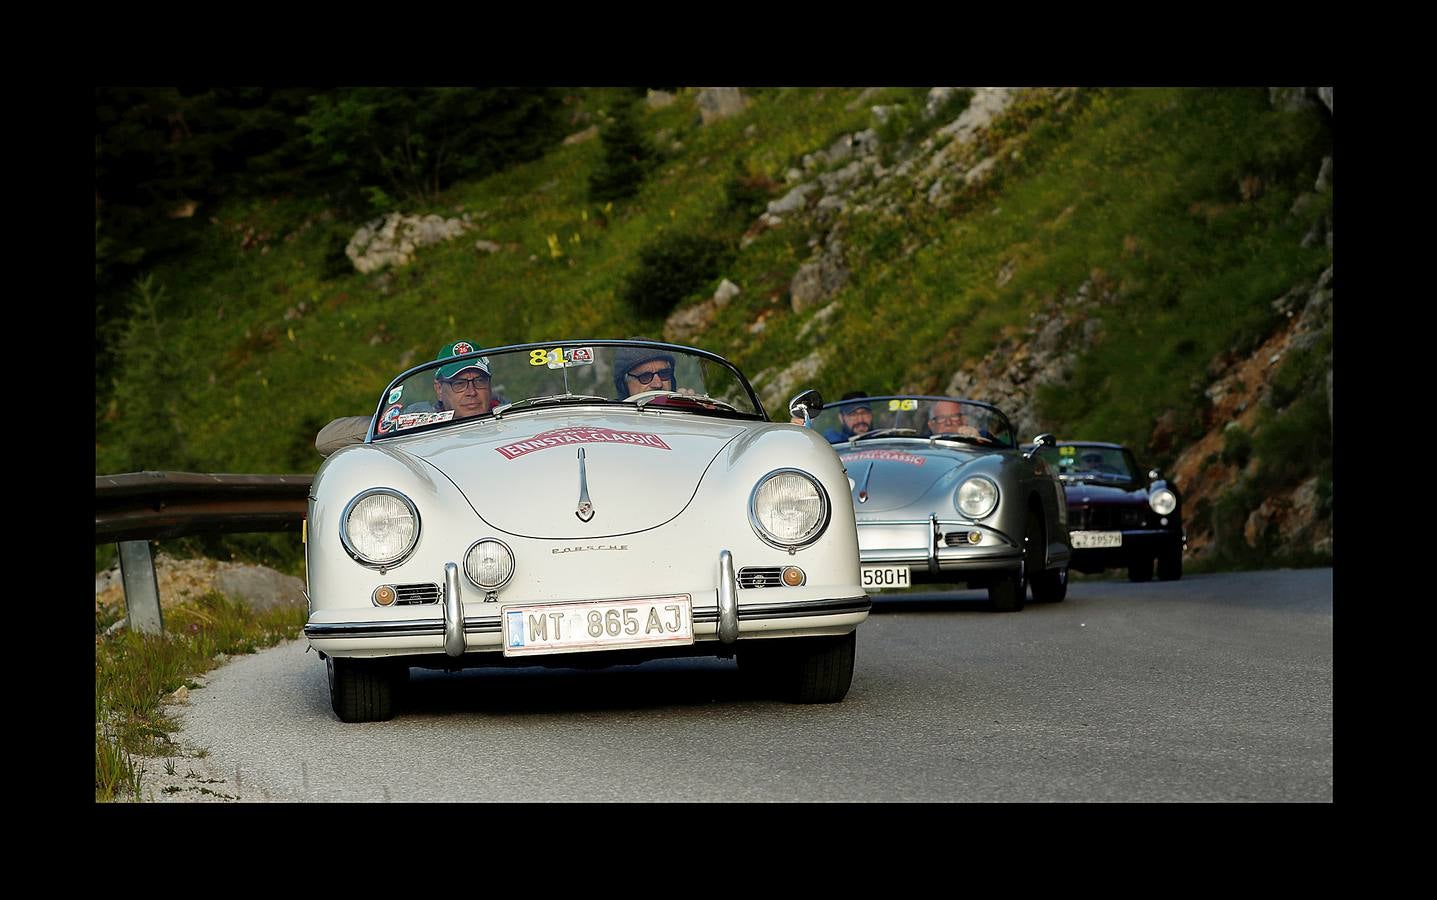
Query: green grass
(134, 672)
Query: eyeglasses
(459, 384)
(955, 419)
(667, 374)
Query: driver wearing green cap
(463, 386)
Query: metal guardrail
(138, 507)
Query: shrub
(626, 160)
(671, 268)
(1236, 446)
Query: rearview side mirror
(805, 406)
(1043, 440)
(1154, 475)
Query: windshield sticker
(904, 405)
(560, 357)
(386, 422)
(414, 420)
(563, 437)
(1067, 451)
(898, 456)
(395, 394)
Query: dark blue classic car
(1117, 516)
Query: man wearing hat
(639, 369)
(463, 386)
(856, 420)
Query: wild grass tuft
(135, 672)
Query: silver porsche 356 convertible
(944, 494)
(576, 504)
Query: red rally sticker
(563, 437)
(386, 422)
(908, 459)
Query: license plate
(584, 625)
(880, 577)
(1083, 539)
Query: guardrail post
(142, 591)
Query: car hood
(1088, 494)
(897, 476)
(521, 474)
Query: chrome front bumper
(922, 543)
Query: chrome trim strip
(863, 491)
(374, 629)
(758, 611)
(585, 512)
(810, 608)
(727, 599)
(453, 612)
(935, 533)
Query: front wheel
(1141, 569)
(801, 670)
(362, 690)
(1007, 593)
(1170, 563)
(1050, 585)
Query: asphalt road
(1212, 688)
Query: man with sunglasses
(462, 386)
(639, 369)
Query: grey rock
(717, 103)
(985, 106)
(776, 388)
(580, 137)
(260, 588)
(980, 171)
(819, 324)
(1324, 176)
(794, 200)
(819, 279)
(488, 246)
(393, 239)
(935, 99)
(726, 291)
(863, 97)
(658, 99)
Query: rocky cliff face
(850, 175)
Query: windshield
(1081, 462)
(915, 416)
(509, 380)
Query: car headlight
(788, 509)
(1163, 501)
(976, 497)
(380, 527)
(489, 564)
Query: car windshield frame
(920, 425)
(1133, 474)
(372, 434)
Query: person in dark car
(856, 419)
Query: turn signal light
(793, 576)
(974, 537)
(384, 595)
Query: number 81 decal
(559, 357)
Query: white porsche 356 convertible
(580, 503)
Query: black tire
(801, 670)
(1170, 563)
(1050, 585)
(1007, 593)
(1141, 569)
(362, 690)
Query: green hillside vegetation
(1177, 200)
